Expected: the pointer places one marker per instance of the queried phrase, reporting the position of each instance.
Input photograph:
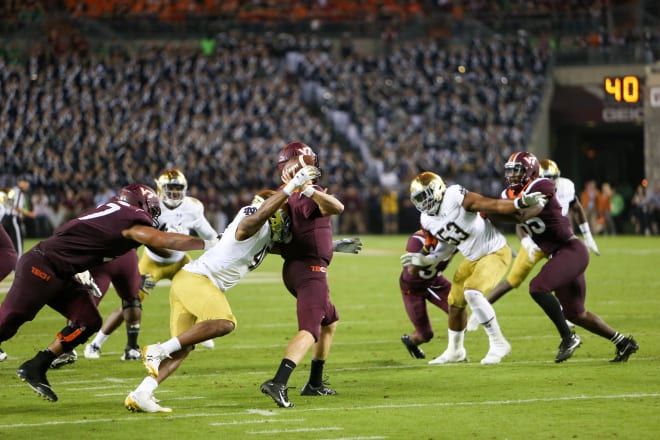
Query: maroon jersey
(549, 229)
(8, 255)
(124, 275)
(93, 238)
(312, 233)
(424, 279)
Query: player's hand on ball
(304, 175)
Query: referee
(12, 221)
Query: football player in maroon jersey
(45, 274)
(421, 282)
(563, 272)
(306, 261)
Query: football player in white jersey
(529, 253)
(207, 314)
(179, 213)
(453, 215)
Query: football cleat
(152, 355)
(624, 349)
(30, 373)
(321, 390)
(131, 354)
(496, 352)
(567, 347)
(209, 343)
(92, 351)
(278, 392)
(413, 349)
(144, 402)
(3, 355)
(65, 358)
(450, 356)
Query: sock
(480, 306)
(171, 346)
(284, 372)
(552, 308)
(100, 339)
(132, 333)
(455, 339)
(149, 384)
(617, 338)
(316, 373)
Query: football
(296, 163)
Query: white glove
(208, 244)
(528, 244)
(472, 323)
(85, 278)
(528, 200)
(304, 175)
(148, 283)
(588, 238)
(347, 245)
(420, 260)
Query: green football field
(382, 392)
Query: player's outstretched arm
(154, 238)
(252, 223)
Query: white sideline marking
(336, 409)
(285, 431)
(261, 412)
(252, 422)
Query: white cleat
(92, 351)
(144, 402)
(496, 352)
(3, 355)
(472, 323)
(152, 355)
(450, 356)
(209, 343)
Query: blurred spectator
(604, 207)
(352, 219)
(618, 205)
(654, 209)
(41, 224)
(640, 211)
(589, 200)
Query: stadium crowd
(80, 124)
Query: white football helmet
(427, 191)
(172, 186)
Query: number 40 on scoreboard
(622, 89)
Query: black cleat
(36, 378)
(413, 349)
(322, 390)
(567, 347)
(278, 391)
(624, 349)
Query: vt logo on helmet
(143, 197)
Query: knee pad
(135, 302)
(73, 335)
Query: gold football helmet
(280, 221)
(549, 169)
(427, 191)
(172, 186)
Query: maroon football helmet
(294, 149)
(142, 196)
(521, 168)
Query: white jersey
(565, 193)
(187, 217)
(473, 235)
(230, 260)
